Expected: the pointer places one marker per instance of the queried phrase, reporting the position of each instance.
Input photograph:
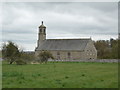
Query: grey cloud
(21, 20)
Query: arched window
(40, 30)
(69, 55)
(58, 55)
(44, 30)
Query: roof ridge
(71, 39)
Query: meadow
(60, 75)
(0, 54)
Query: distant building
(65, 49)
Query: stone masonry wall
(74, 55)
(92, 60)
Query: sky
(20, 21)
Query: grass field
(61, 75)
(0, 54)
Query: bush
(27, 57)
(44, 56)
(21, 62)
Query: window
(58, 55)
(44, 30)
(40, 30)
(69, 55)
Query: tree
(103, 49)
(118, 48)
(10, 52)
(115, 48)
(44, 56)
(108, 49)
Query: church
(65, 49)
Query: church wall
(68, 55)
(63, 55)
(90, 51)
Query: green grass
(1, 75)
(0, 54)
(61, 75)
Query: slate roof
(42, 26)
(63, 44)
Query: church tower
(41, 34)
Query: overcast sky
(98, 20)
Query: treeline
(108, 49)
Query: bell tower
(41, 34)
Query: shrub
(21, 62)
(44, 56)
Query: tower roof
(42, 26)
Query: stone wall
(74, 54)
(91, 60)
(90, 51)
(63, 55)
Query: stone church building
(65, 49)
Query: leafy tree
(108, 49)
(103, 49)
(4, 50)
(10, 52)
(118, 48)
(44, 56)
(114, 48)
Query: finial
(42, 22)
